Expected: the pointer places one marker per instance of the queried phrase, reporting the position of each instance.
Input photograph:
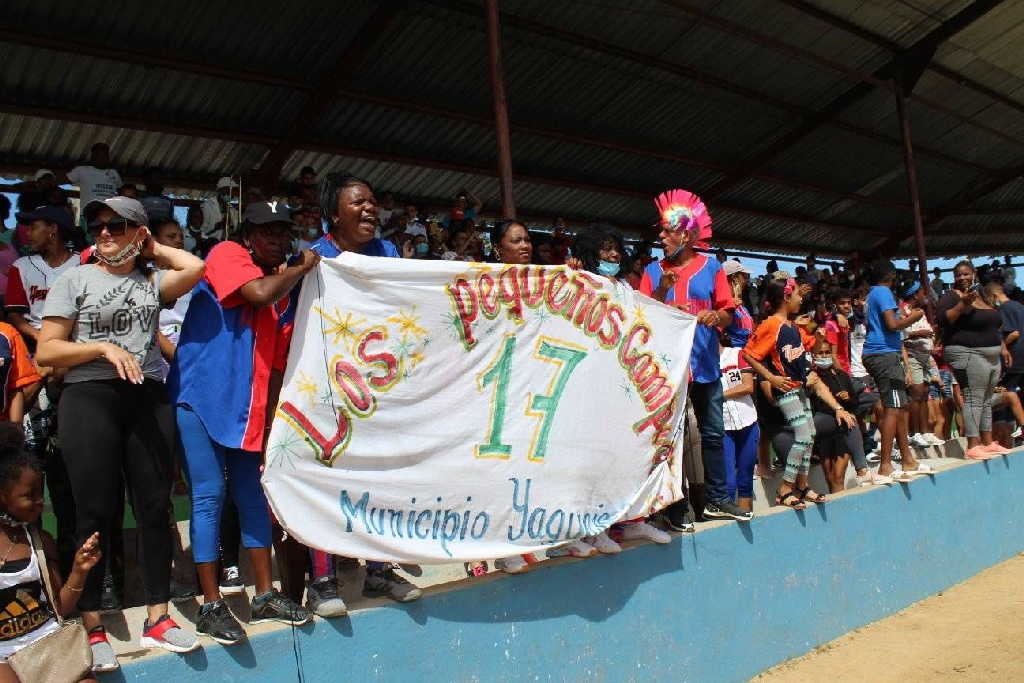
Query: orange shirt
(16, 367)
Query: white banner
(438, 411)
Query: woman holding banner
(351, 210)
(511, 244)
(235, 338)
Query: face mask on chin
(130, 251)
(608, 268)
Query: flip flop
(817, 498)
(790, 500)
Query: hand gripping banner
(437, 411)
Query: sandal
(790, 500)
(475, 569)
(809, 496)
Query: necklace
(7, 553)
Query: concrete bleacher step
(125, 627)
(764, 489)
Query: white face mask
(130, 251)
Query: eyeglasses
(114, 228)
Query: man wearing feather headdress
(695, 283)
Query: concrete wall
(720, 605)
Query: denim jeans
(707, 406)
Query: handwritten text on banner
(438, 411)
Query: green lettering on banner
(545, 405)
(497, 374)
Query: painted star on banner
(307, 387)
(341, 327)
(281, 451)
(638, 315)
(408, 323)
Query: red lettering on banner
(326, 449)
(383, 361)
(352, 384)
(464, 297)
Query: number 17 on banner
(564, 356)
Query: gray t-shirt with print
(120, 309)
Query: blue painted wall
(720, 605)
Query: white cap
(44, 172)
(732, 266)
(226, 181)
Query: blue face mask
(422, 248)
(608, 269)
(823, 363)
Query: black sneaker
(110, 601)
(385, 583)
(273, 606)
(217, 622)
(679, 519)
(727, 510)
(323, 599)
(231, 581)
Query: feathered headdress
(680, 211)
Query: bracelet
(75, 590)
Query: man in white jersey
(95, 180)
(30, 277)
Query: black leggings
(110, 427)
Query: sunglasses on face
(114, 228)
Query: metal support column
(501, 129)
(915, 198)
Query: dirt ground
(972, 632)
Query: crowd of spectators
(119, 319)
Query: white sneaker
(935, 440)
(604, 543)
(873, 478)
(874, 456)
(645, 531)
(580, 548)
(920, 441)
(1016, 433)
(515, 564)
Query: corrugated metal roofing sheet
(435, 54)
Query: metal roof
(779, 110)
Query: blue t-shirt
(880, 339)
(326, 247)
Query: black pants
(109, 429)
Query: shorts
(866, 393)
(1001, 412)
(890, 377)
(920, 366)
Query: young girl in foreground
(21, 584)
(777, 353)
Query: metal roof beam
(851, 74)
(325, 92)
(626, 54)
(867, 35)
(328, 147)
(425, 107)
(911, 57)
(70, 44)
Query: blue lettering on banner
(447, 526)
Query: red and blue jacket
(227, 350)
